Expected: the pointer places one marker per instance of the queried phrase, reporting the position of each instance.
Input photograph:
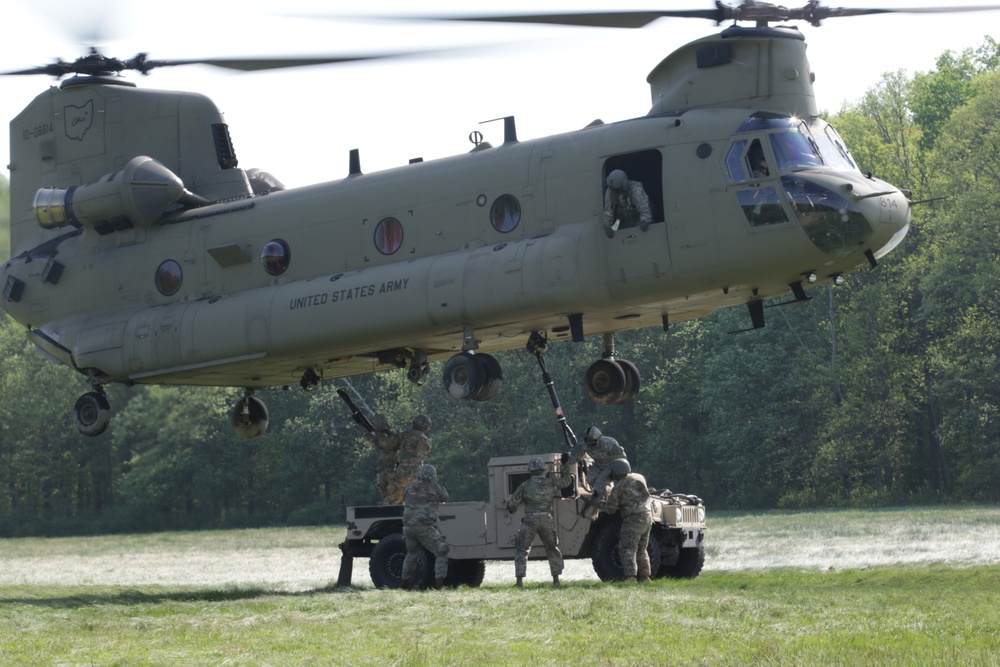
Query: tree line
(880, 391)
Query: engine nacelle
(136, 196)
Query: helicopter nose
(888, 210)
(841, 214)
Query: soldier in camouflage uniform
(630, 497)
(602, 450)
(625, 203)
(414, 446)
(386, 445)
(536, 493)
(420, 516)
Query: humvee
(479, 531)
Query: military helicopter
(143, 254)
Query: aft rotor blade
(629, 19)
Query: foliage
(882, 391)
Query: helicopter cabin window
(505, 214)
(275, 257)
(633, 190)
(168, 277)
(388, 235)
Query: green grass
(900, 616)
(940, 611)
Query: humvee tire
(604, 553)
(688, 565)
(465, 572)
(386, 564)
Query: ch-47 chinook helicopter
(142, 253)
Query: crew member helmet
(422, 423)
(620, 467)
(592, 435)
(536, 466)
(617, 180)
(381, 422)
(427, 473)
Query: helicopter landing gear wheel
(604, 382)
(492, 376)
(419, 369)
(249, 417)
(632, 381)
(472, 377)
(92, 413)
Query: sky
(301, 124)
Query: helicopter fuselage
(141, 253)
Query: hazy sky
(301, 124)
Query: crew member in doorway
(626, 204)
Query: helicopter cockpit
(774, 162)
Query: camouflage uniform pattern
(414, 446)
(630, 497)
(536, 493)
(630, 208)
(386, 444)
(420, 515)
(602, 453)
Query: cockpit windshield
(795, 150)
(797, 145)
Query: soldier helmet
(617, 180)
(592, 435)
(381, 422)
(620, 468)
(536, 466)
(422, 423)
(427, 473)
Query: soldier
(414, 446)
(630, 497)
(602, 450)
(626, 204)
(386, 445)
(536, 493)
(420, 515)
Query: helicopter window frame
(169, 277)
(388, 235)
(505, 213)
(275, 257)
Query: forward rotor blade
(257, 64)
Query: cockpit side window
(746, 160)
(735, 166)
(834, 151)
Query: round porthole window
(275, 257)
(505, 213)
(388, 235)
(168, 277)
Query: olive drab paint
(143, 253)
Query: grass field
(897, 587)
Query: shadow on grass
(136, 597)
(130, 597)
